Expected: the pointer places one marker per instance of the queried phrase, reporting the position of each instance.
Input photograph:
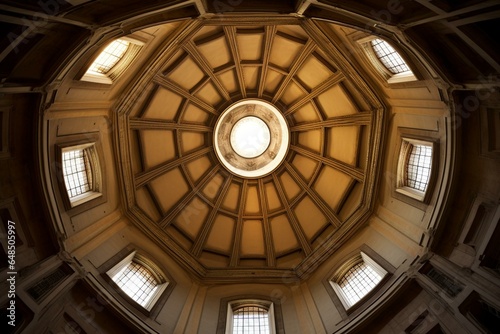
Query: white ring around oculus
(251, 163)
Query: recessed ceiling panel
(252, 238)
(216, 52)
(342, 143)
(251, 75)
(198, 167)
(169, 188)
(272, 197)
(186, 74)
(192, 217)
(331, 185)
(221, 234)
(163, 105)
(313, 72)
(292, 93)
(285, 59)
(310, 217)
(232, 197)
(209, 94)
(284, 238)
(273, 79)
(194, 114)
(311, 140)
(191, 141)
(146, 203)
(305, 166)
(306, 113)
(213, 187)
(352, 202)
(158, 147)
(335, 102)
(229, 81)
(290, 186)
(252, 205)
(250, 43)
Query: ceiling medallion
(251, 138)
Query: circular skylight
(251, 138)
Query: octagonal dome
(218, 223)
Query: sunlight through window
(251, 319)
(109, 57)
(358, 282)
(77, 172)
(418, 168)
(389, 57)
(137, 282)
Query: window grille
(389, 57)
(48, 283)
(418, 167)
(77, 172)
(109, 57)
(358, 282)
(448, 284)
(137, 282)
(251, 319)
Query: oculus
(251, 138)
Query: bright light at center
(250, 137)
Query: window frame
(227, 306)
(344, 265)
(391, 78)
(344, 269)
(151, 267)
(97, 173)
(56, 171)
(238, 304)
(112, 75)
(402, 166)
(122, 258)
(95, 190)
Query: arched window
(137, 282)
(251, 319)
(415, 167)
(81, 173)
(356, 279)
(250, 316)
(139, 279)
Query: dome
(249, 166)
(189, 185)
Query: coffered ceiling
(223, 226)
